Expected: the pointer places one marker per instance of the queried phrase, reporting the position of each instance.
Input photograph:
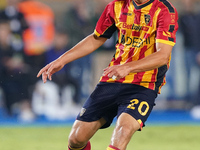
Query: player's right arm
(104, 29)
(83, 48)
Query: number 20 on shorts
(135, 102)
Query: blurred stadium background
(33, 33)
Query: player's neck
(140, 1)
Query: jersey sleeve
(167, 26)
(105, 26)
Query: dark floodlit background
(34, 33)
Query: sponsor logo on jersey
(132, 26)
(134, 41)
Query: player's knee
(123, 131)
(76, 141)
(126, 130)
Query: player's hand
(50, 69)
(117, 72)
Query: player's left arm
(155, 60)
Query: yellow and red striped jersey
(139, 27)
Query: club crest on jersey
(147, 18)
(82, 111)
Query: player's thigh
(102, 103)
(137, 104)
(82, 131)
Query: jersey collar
(140, 6)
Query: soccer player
(129, 85)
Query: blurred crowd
(189, 27)
(31, 37)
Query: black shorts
(111, 99)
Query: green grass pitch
(55, 138)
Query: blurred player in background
(189, 26)
(39, 37)
(57, 100)
(14, 70)
(16, 22)
(129, 86)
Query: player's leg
(81, 133)
(135, 105)
(97, 112)
(126, 126)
